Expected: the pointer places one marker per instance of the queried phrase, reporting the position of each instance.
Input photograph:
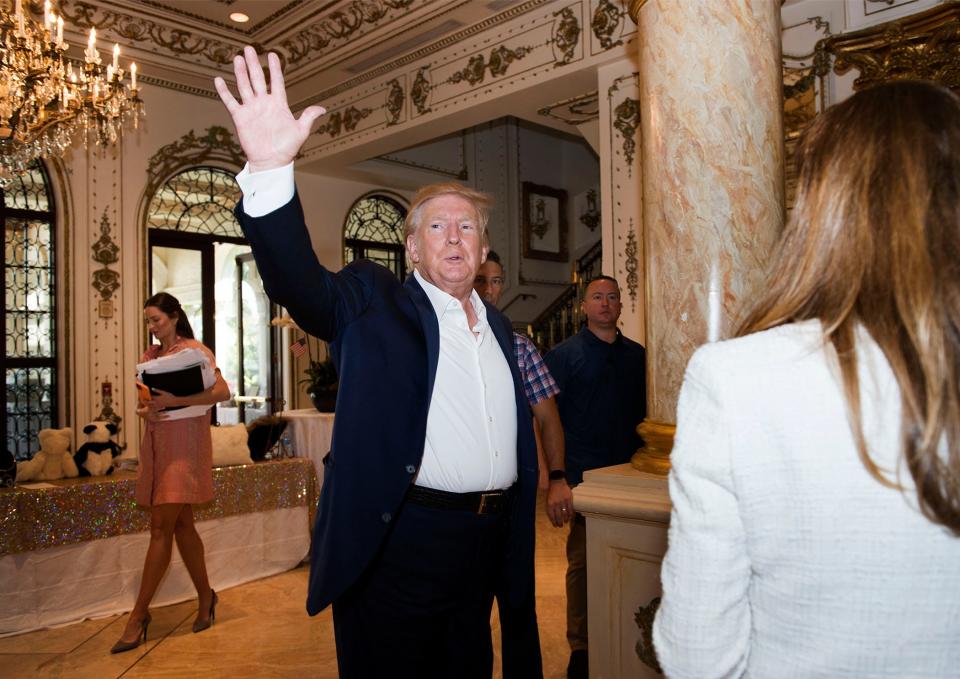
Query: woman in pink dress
(174, 473)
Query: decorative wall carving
(924, 45)
(631, 263)
(500, 59)
(394, 104)
(217, 143)
(420, 91)
(627, 121)
(644, 648)
(576, 110)
(106, 281)
(606, 20)
(566, 35)
(347, 119)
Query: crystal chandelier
(46, 103)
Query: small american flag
(299, 348)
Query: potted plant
(321, 379)
(321, 382)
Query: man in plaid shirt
(541, 390)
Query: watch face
(557, 474)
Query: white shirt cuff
(264, 192)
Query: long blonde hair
(874, 240)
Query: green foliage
(320, 376)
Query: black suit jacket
(385, 339)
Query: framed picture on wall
(544, 222)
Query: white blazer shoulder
(786, 557)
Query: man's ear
(412, 248)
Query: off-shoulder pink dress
(176, 456)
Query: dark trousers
(422, 608)
(519, 639)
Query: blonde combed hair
(482, 202)
(874, 241)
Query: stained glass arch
(197, 200)
(374, 230)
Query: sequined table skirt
(75, 550)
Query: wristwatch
(557, 475)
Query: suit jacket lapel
(431, 328)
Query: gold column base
(654, 457)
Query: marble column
(712, 154)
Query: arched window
(30, 311)
(374, 230)
(199, 255)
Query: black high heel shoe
(124, 646)
(200, 625)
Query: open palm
(269, 133)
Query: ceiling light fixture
(45, 104)
(239, 17)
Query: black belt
(479, 502)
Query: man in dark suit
(429, 491)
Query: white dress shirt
(786, 557)
(471, 441)
(472, 422)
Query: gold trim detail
(631, 263)
(634, 11)
(627, 122)
(924, 45)
(654, 457)
(420, 91)
(606, 20)
(644, 648)
(394, 103)
(576, 110)
(498, 64)
(566, 35)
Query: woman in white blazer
(816, 467)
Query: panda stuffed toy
(95, 456)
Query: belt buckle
(483, 501)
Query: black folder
(184, 382)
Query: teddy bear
(95, 456)
(53, 461)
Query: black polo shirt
(603, 397)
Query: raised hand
(269, 134)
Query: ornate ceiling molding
(177, 42)
(576, 110)
(923, 46)
(343, 25)
(432, 48)
(237, 28)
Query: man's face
(447, 246)
(601, 304)
(489, 282)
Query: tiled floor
(261, 631)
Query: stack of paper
(182, 374)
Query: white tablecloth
(311, 432)
(94, 579)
